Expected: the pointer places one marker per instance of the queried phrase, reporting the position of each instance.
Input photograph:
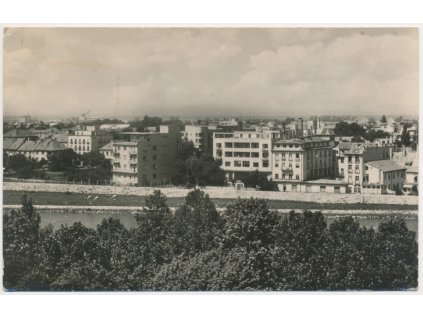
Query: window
(255, 164)
(297, 165)
(265, 146)
(254, 145)
(297, 155)
(227, 163)
(283, 176)
(342, 160)
(265, 164)
(154, 175)
(237, 163)
(228, 145)
(357, 178)
(245, 163)
(154, 157)
(322, 188)
(218, 145)
(294, 187)
(154, 147)
(276, 176)
(297, 177)
(337, 189)
(276, 165)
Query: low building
(351, 159)
(114, 127)
(107, 151)
(383, 175)
(313, 186)
(37, 150)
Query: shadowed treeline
(247, 247)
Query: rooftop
(107, 147)
(385, 165)
(301, 140)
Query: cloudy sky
(210, 71)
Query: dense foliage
(91, 166)
(247, 247)
(192, 167)
(258, 180)
(357, 131)
(22, 167)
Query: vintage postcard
(210, 158)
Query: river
(127, 219)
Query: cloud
(213, 71)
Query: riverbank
(95, 200)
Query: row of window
(78, 141)
(83, 148)
(246, 164)
(242, 145)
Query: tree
(345, 129)
(194, 167)
(299, 257)
(259, 180)
(64, 160)
(197, 225)
(383, 120)
(20, 239)
(405, 136)
(151, 242)
(396, 254)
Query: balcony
(287, 170)
(297, 159)
(357, 171)
(350, 171)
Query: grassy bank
(60, 198)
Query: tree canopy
(245, 247)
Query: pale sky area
(210, 71)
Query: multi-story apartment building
(244, 151)
(298, 160)
(383, 175)
(145, 158)
(199, 135)
(88, 138)
(351, 160)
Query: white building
(244, 151)
(88, 138)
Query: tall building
(88, 138)
(199, 135)
(244, 151)
(351, 160)
(145, 158)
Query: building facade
(351, 159)
(88, 138)
(145, 158)
(199, 135)
(244, 151)
(383, 175)
(302, 159)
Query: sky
(115, 72)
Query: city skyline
(268, 72)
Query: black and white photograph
(210, 159)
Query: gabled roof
(49, 145)
(16, 133)
(16, 144)
(28, 146)
(7, 142)
(385, 165)
(108, 147)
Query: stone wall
(215, 192)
